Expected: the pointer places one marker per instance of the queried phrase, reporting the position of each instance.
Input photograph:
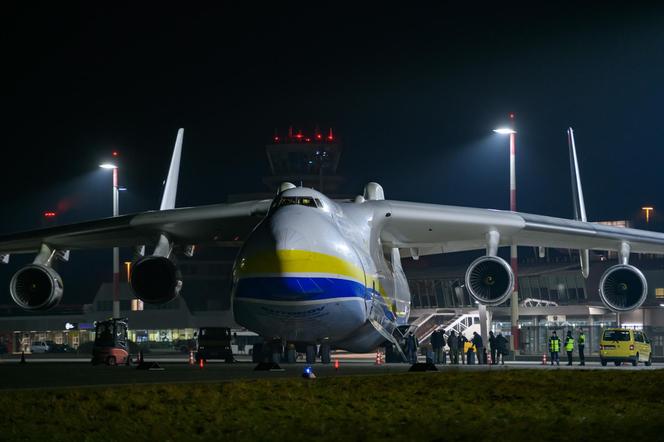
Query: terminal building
(553, 295)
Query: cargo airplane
(313, 270)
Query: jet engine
(623, 288)
(36, 287)
(489, 280)
(155, 279)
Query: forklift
(111, 345)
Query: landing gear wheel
(617, 363)
(111, 361)
(325, 353)
(635, 362)
(603, 362)
(311, 354)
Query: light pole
(647, 210)
(116, 250)
(514, 300)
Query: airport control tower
(309, 159)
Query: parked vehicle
(39, 347)
(61, 348)
(620, 345)
(214, 343)
(111, 345)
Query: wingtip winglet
(171, 187)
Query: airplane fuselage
(315, 271)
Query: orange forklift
(111, 345)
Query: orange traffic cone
(543, 358)
(336, 364)
(201, 363)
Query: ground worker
(582, 346)
(463, 347)
(554, 348)
(453, 343)
(493, 345)
(569, 346)
(501, 347)
(437, 344)
(479, 347)
(411, 347)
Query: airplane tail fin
(577, 196)
(171, 187)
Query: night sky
(413, 94)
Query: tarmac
(48, 371)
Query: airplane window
(298, 200)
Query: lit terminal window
(659, 293)
(136, 305)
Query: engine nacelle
(36, 287)
(489, 280)
(623, 288)
(155, 279)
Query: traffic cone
(543, 358)
(336, 364)
(191, 358)
(201, 363)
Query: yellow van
(620, 345)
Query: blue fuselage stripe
(290, 288)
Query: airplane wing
(194, 225)
(423, 229)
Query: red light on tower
(276, 139)
(330, 135)
(115, 153)
(49, 214)
(319, 136)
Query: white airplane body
(317, 271)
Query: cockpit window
(297, 200)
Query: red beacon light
(276, 139)
(115, 153)
(49, 214)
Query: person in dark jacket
(436, 345)
(443, 355)
(492, 345)
(453, 343)
(411, 348)
(462, 347)
(501, 347)
(479, 347)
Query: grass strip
(459, 405)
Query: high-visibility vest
(582, 339)
(569, 344)
(554, 344)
